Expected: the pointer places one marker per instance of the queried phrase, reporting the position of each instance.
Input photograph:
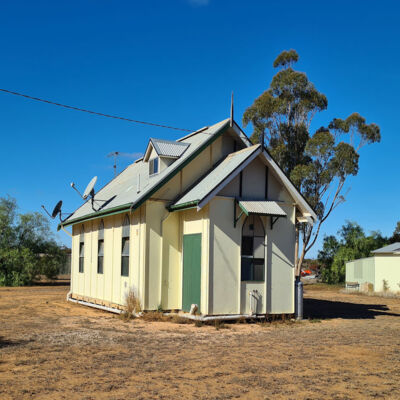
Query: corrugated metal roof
(262, 207)
(169, 148)
(122, 190)
(393, 248)
(215, 177)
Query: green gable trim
(184, 206)
(183, 165)
(130, 206)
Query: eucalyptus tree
(319, 163)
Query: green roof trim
(243, 208)
(184, 206)
(95, 215)
(183, 165)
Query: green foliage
(286, 59)
(396, 234)
(351, 244)
(27, 246)
(318, 163)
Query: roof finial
(231, 110)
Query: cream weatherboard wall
(109, 286)
(227, 293)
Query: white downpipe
(98, 306)
(205, 318)
(251, 311)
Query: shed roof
(262, 208)
(393, 248)
(218, 176)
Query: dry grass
(51, 349)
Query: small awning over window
(261, 208)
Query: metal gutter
(88, 217)
(189, 204)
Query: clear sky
(176, 62)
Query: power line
(94, 112)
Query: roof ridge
(250, 148)
(170, 141)
(203, 129)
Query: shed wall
(387, 268)
(361, 271)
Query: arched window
(125, 246)
(82, 249)
(253, 249)
(100, 248)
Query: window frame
(100, 245)
(125, 260)
(154, 162)
(248, 258)
(81, 264)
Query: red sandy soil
(348, 348)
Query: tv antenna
(89, 191)
(114, 154)
(56, 211)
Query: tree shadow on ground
(327, 309)
(51, 283)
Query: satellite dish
(89, 191)
(57, 209)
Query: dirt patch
(349, 348)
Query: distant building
(208, 219)
(379, 273)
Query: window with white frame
(82, 250)
(125, 246)
(100, 248)
(153, 166)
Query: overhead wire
(94, 112)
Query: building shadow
(9, 343)
(327, 309)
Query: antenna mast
(114, 154)
(231, 116)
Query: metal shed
(382, 270)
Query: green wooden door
(191, 270)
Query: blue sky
(176, 62)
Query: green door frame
(191, 277)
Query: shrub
(385, 286)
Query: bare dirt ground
(50, 349)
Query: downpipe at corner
(298, 299)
